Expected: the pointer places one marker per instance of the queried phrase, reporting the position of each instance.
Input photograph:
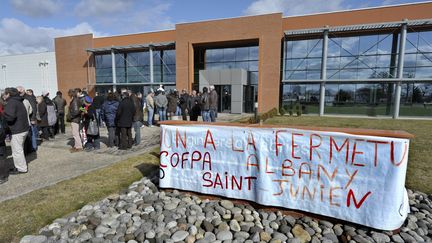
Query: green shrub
(282, 111)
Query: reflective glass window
(416, 99)
(301, 96)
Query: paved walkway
(54, 162)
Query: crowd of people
(173, 104)
(27, 120)
(24, 120)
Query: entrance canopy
(132, 47)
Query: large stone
(380, 237)
(300, 233)
(279, 236)
(179, 236)
(209, 237)
(397, 239)
(406, 237)
(241, 234)
(264, 236)
(101, 230)
(234, 226)
(223, 226)
(193, 230)
(224, 235)
(190, 239)
(227, 204)
(208, 226)
(33, 239)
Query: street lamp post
(44, 65)
(3, 66)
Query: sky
(30, 26)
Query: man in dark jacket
(108, 114)
(97, 103)
(138, 118)
(75, 118)
(34, 128)
(43, 118)
(172, 98)
(205, 105)
(213, 103)
(60, 103)
(125, 115)
(184, 102)
(16, 117)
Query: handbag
(93, 128)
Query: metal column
(151, 64)
(113, 68)
(323, 73)
(400, 70)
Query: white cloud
(102, 7)
(16, 37)
(126, 16)
(37, 8)
(293, 7)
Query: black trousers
(60, 125)
(45, 132)
(184, 115)
(126, 139)
(4, 168)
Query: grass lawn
(419, 161)
(28, 213)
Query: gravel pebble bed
(143, 213)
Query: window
(134, 67)
(418, 55)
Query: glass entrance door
(224, 94)
(248, 98)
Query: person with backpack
(91, 126)
(51, 113)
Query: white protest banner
(356, 178)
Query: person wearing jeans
(34, 128)
(108, 115)
(162, 113)
(161, 103)
(138, 118)
(150, 108)
(75, 117)
(17, 119)
(213, 104)
(205, 103)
